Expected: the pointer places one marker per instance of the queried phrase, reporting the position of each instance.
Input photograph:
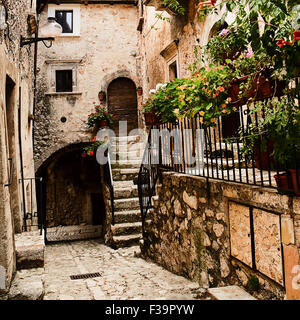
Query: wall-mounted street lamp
(3, 16)
(48, 32)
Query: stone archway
(122, 102)
(73, 200)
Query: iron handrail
(108, 180)
(10, 173)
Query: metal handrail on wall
(147, 178)
(108, 180)
(31, 214)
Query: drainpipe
(21, 159)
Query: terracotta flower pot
(101, 96)
(152, 119)
(295, 176)
(284, 183)
(140, 91)
(262, 158)
(260, 88)
(102, 123)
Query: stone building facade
(102, 48)
(100, 53)
(16, 148)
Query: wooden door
(122, 102)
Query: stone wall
(157, 36)
(16, 90)
(106, 49)
(207, 237)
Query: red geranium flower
(280, 43)
(83, 155)
(95, 138)
(90, 153)
(296, 35)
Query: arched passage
(72, 197)
(122, 102)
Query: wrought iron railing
(108, 180)
(33, 210)
(190, 148)
(148, 175)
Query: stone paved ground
(123, 275)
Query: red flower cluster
(296, 35)
(282, 43)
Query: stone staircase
(128, 226)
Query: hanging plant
(91, 149)
(100, 117)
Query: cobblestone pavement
(123, 275)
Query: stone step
(127, 164)
(125, 174)
(123, 184)
(127, 241)
(127, 192)
(30, 248)
(126, 228)
(127, 216)
(230, 293)
(130, 155)
(135, 138)
(127, 204)
(127, 147)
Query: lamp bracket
(26, 41)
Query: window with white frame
(63, 76)
(68, 16)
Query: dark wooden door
(122, 102)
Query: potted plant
(139, 91)
(92, 148)
(280, 125)
(228, 44)
(100, 118)
(101, 95)
(151, 118)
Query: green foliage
(204, 92)
(253, 283)
(263, 23)
(280, 124)
(175, 6)
(91, 149)
(99, 114)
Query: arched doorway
(122, 102)
(73, 200)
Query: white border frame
(76, 17)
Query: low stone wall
(224, 233)
(30, 248)
(70, 233)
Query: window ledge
(68, 36)
(76, 93)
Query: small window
(173, 71)
(65, 19)
(64, 82)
